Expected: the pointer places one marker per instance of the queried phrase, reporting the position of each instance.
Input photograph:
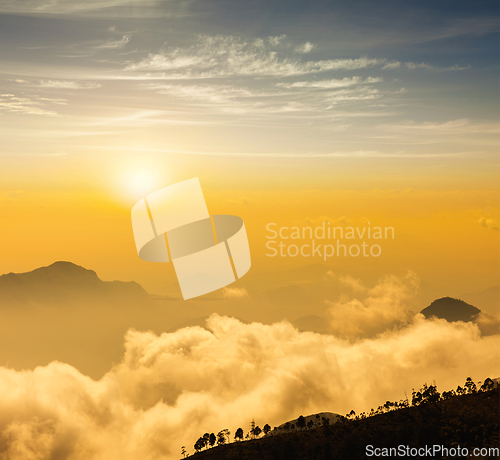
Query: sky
(394, 104)
(298, 113)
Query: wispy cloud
(210, 93)
(353, 95)
(62, 84)
(277, 40)
(28, 105)
(219, 56)
(226, 56)
(333, 83)
(65, 6)
(234, 99)
(425, 66)
(234, 293)
(450, 127)
(304, 48)
(145, 118)
(114, 44)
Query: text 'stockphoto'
(246, 230)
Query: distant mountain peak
(64, 264)
(451, 309)
(62, 281)
(63, 270)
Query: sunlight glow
(140, 182)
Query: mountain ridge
(63, 281)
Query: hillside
(468, 420)
(307, 421)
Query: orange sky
(445, 215)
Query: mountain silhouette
(63, 282)
(451, 310)
(67, 313)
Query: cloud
(488, 325)
(210, 93)
(352, 95)
(352, 283)
(62, 84)
(226, 56)
(460, 132)
(170, 389)
(28, 105)
(488, 223)
(329, 84)
(275, 41)
(304, 48)
(384, 307)
(114, 44)
(256, 78)
(223, 56)
(234, 99)
(65, 6)
(392, 65)
(234, 293)
(423, 65)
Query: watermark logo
(325, 241)
(208, 252)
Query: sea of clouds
(170, 389)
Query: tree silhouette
(252, 429)
(212, 439)
(183, 451)
(427, 394)
(221, 438)
(488, 385)
(239, 434)
(470, 385)
(227, 434)
(267, 428)
(199, 445)
(301, 422)
(257, 431)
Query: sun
(139, 182)
(142, 180)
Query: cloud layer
(171, 388)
